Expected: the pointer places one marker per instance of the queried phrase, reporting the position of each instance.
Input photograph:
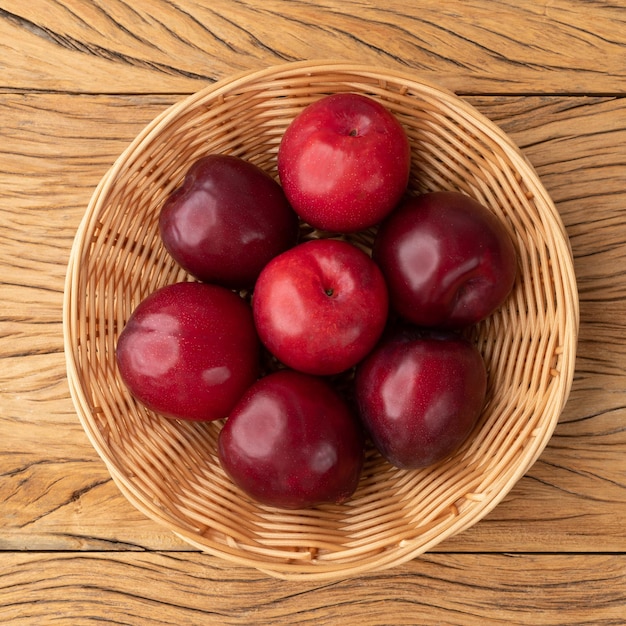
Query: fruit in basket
(189, 351)
(226, 221)
(321, 306)
(419, 394)
(344, 162)
(447, 259)
(292, 442)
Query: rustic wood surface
(79, 79)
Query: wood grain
(182, 588)
(564, 46)
(79, 79)
(574, 498)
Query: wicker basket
(170, 471)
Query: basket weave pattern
(170, 470)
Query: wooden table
(79, 79)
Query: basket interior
(170, 470)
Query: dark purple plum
(420, 394)
(448, 261)
(293, 442)
(226, 221)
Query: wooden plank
(566, 46)
(187, 588)
(55, 493)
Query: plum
(419, 394)
(293, 442)
(189, 351)
(321, 306)
(448, 260)
(226, 221)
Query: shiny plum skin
(189, 351)
(448, 261)
(226, 221)
(321, 306)
(419, 395)
(344, 162)
(293, 442)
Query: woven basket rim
(499, 488)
